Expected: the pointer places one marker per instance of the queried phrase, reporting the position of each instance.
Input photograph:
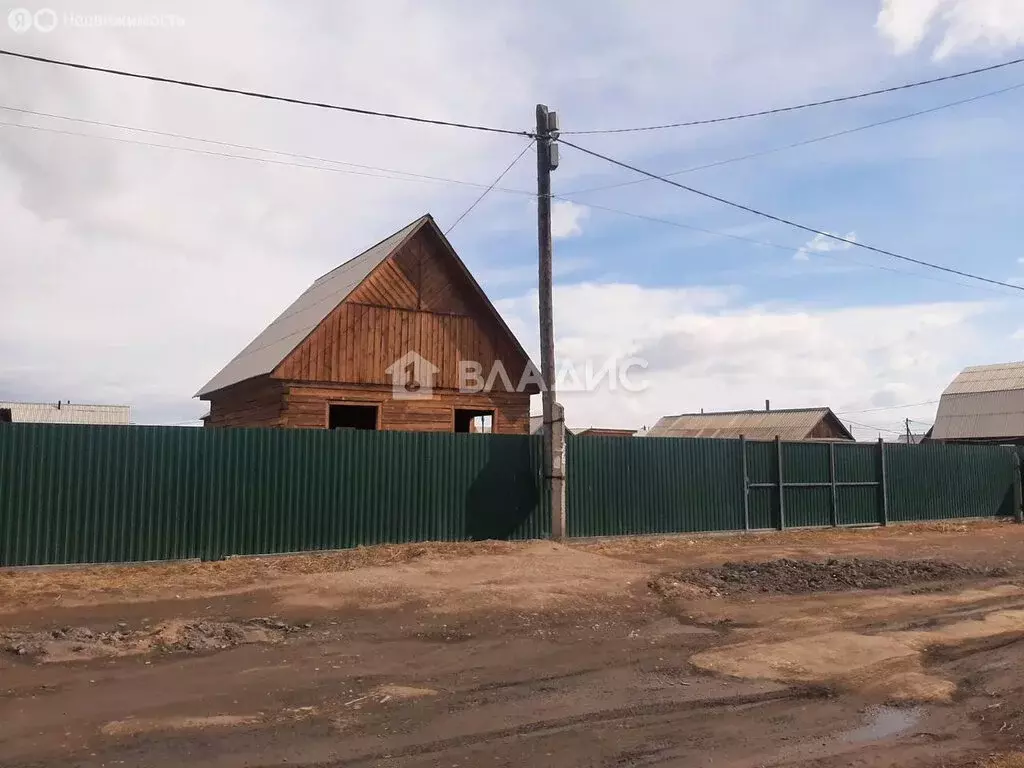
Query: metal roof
(791, 424)
(51, 413)
(984, 402)
(270, 348)
(988, 378)
(980, 416)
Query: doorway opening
(352, 417)
(476, 421)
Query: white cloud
(567, 219)
(822, 244)
(963, 24)
(707, 349)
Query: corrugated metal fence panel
(71, 494)
(762, 469)
(653, 485)
(938, 482)
(804, 463)
(858, 463)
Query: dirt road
(605, 653)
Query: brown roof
(791, 424)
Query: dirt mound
(77, 643)
(797, 577)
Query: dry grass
(1013, 760)
(70, 586)
(657, 549)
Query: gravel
(797, 577)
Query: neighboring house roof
(984, 402)
(537, 426)
(50, 413)
(264, 353)
(604, 432)
(791, 424)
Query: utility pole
(554, 423)
(909, 439)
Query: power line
(777, 246)
(889, 408)
(232, 145)
(400, 175)
(806, 142)
(397, 177)
(492, 186)
(259, 95)
(795, 107)
(790, 222)
(874, 427)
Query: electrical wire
(806, 142)
(232, 145)
(795, 107)
(874, 427)
(495, 183)
(399, 175)
(779, 246)
(790, 222)
(259, 95)
(888, 408)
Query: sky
(131, 273)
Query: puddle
(882, 723)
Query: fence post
(1018, 492)
(746, 484)
(884, 482)
(832, 483)
(782, 494)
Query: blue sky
(135, 272)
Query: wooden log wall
(306, 405)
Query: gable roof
(264, 353)
(983, 402)
(791, 424)
(66, 413)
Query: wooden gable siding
(828, 429)
(356, 344)
(416, 300)
(305, 406)
(420, 276)
(253, 403)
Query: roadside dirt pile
(799, 577)
(178, 636)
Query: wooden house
(383, 342)
(794, 424)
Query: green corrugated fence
(76, 494)
(620, 486)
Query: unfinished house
(382, 342)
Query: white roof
(51, 413)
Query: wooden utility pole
(554, 424)
(910, 441)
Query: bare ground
(624, 652)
